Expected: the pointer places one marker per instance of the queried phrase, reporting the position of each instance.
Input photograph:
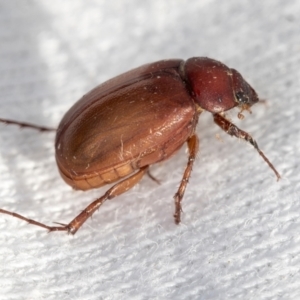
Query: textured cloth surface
(239, 237)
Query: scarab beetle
(142, 117)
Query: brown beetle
(121, 127)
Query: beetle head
(217, 88)
(245, 95)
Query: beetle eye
(241, 97)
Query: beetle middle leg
(152, 177)
(77, 222)
(233, 130)
(193, 145)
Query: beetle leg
(27, 125)
(193, 145)
(30, 221)
(152, 177)
(117, 189)
(77, 222)
(233, 130)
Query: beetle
(139, 118)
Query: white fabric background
(239, 238)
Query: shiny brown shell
(136, 119)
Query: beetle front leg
(193, 145)
(233, 130)
(77, 222)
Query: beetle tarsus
(233, 130)
(27, 125)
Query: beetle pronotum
(121, 127)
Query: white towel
(239, 237)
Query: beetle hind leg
(117, 189)
(193, 145)
(26, 125)
(77, 222)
